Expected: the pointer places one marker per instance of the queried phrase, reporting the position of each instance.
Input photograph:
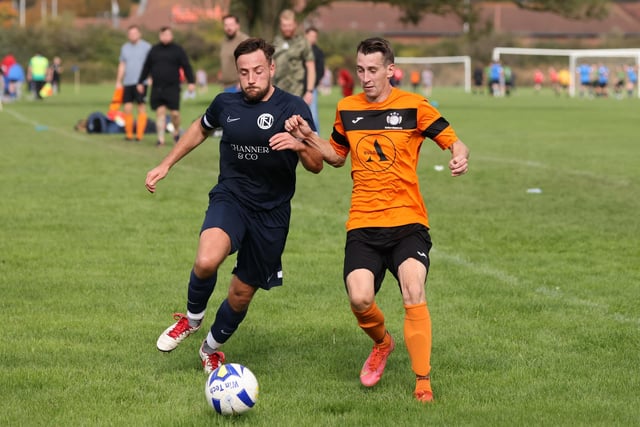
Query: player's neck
(382, 97)
(269, 94)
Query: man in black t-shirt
(164, 63)
(249, 207)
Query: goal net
(573, 56)
(425, 60)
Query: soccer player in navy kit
(249, 208)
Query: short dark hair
(164, 28)
(251, 45)
(312, 28)
(377, 44)
(230, 15)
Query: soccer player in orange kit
(383, 129)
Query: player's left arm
(459, 163)
(438, 129)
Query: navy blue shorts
(259, 237)
(378, 249)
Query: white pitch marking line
(554, 293)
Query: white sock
(210, 344)
(195, 318)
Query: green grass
(534, 297)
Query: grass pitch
(533, 296)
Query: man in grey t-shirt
(132, 57)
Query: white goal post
(466, 60)
(573, 55)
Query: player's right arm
(120, 75)
(194, 136)
(298, 127)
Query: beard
(255, 94)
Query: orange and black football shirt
(384, 140)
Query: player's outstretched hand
(285, 141)
(298, 127)
(153, 176)
(458, 165)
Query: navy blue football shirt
(260, 178)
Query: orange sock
(141, 125)
(116, 99)
(128, 125)
(417, 337)
(371, 321)
(423, 391)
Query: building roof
(385, 20)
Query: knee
(205, 266)
(413, 295)
(360, 302)
(239, 302)
(240, 295)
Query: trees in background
(261, 15)
(95, 50)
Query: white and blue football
(231, 389)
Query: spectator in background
(584, 74)
(233, 36)
(37, 73)
(326, 81)
(509, 79)
(55, 70)
(202, 81)
(427, 81)
(345, 81)
(632, 79)
(619, 86)
(311, 35)
(593, 77)
(16, 78)
(3, 86)
(132, 56)
(478, 80)
(398, 75)
(496, 77)
(538, 80)
(553, 79)
(13, 76)
(163, 64)
(5, 65)
(295, 65)
(414, 78)
(564, 79)
(602, 88)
